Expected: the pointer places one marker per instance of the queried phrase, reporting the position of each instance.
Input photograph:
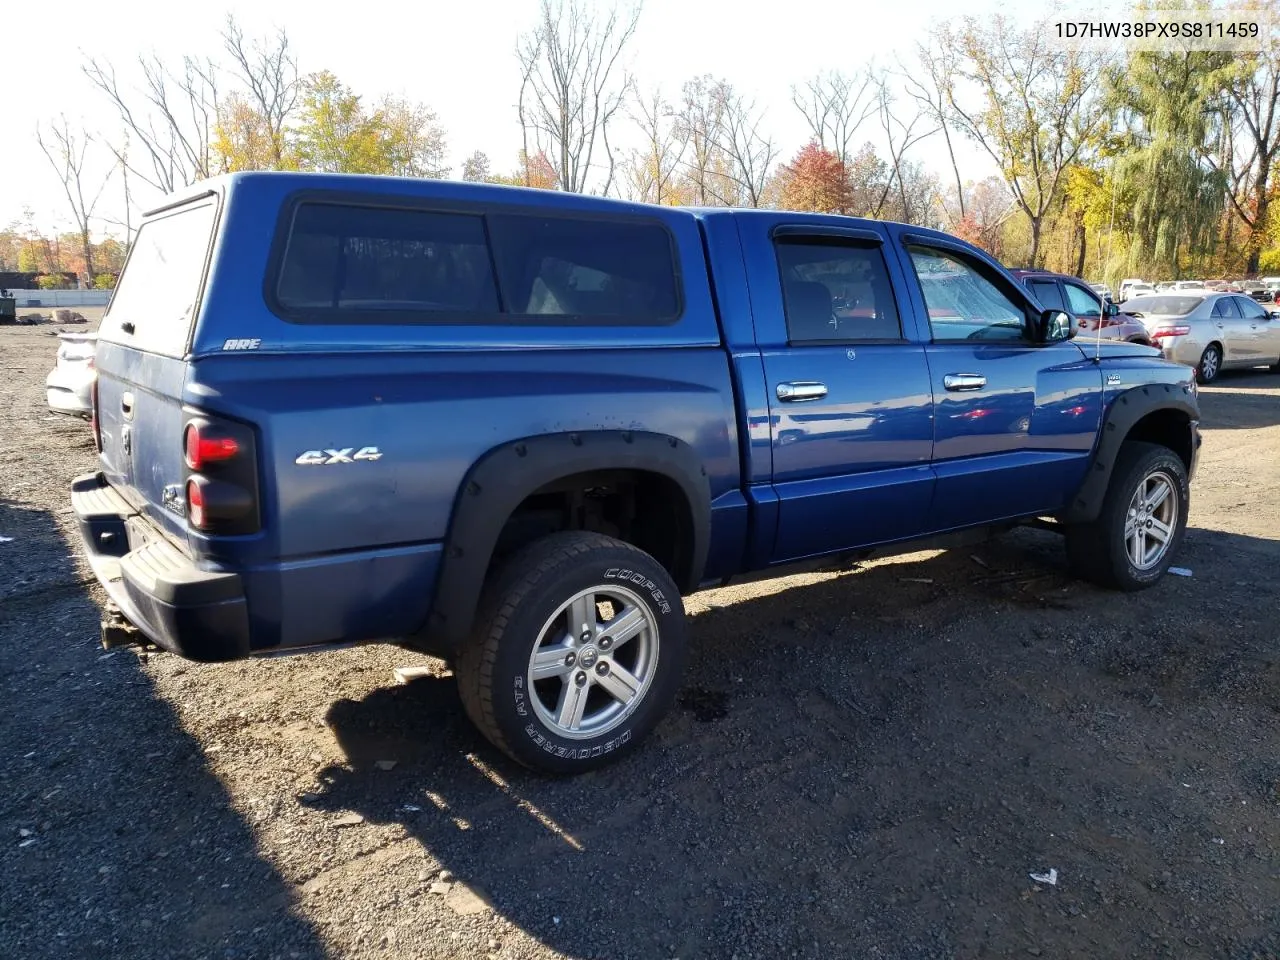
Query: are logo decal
(250, 343)
(324, 458)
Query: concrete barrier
(60, 298)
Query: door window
(962, 304)
(1047, 292)
(1224, 309)
(836, 291)
(1081, 301)
(1249, 310)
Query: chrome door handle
(964, 381)
(800, 390)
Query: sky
(458, 58)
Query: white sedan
(1210, 331)
(69, 387)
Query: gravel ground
(868, 764)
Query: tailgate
(141, 359)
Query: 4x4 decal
(324, 458)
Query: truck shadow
(120, 842)
(872, 764)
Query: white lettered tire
(577, 652)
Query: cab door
(1014, 419)
(850, 406)
(1264, 332)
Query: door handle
(964, 381)
(126, 404)
(801, 390)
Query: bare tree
(270, 72)
(574, 85)
(929, 84)
(835, 105)
(66, 152)
(173, 120)
(653, 170)
(901, 135)
(750, 152)
(699, 124)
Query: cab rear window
(346, 263)
(154, 303)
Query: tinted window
(1167, 306)
(834, 291)
(1224, 309)
(367, 260)
(161, 282)
(963, 304)
(350, 263)
(615, 271)
(1081, 301)
(1249, 309)
(1046, 291)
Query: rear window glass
(1169, 306)
(154, 303)
(836, 292)
(351, 264)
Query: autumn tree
(699, 123)
(269, 73)
(411, 141)
(574, 85)
(243, 139)
(1251, 83)
(535, 171)
(66, 151)
(815, 180)
(1029, 104)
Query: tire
(527, 605)
(1100, 552)
(1210, 365)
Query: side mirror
(1113, 309)
(1274, 314)
(1054, 326)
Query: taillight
(1177, 330)
(195, 504)
(221, 476)
(203, 446)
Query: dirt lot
(862, 765)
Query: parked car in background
(1125, 286)
(69, 386)
(1210, 331)
(1096, 318)
(1137, 290)
(1189, 285)
(1258, 291)
(1102, 290)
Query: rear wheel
(577, 653)
(1140, 527)
(1210, 364)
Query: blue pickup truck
(512, 428)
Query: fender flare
(504, 476)
(1125, 411)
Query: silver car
(1210, 331)
(69, 387)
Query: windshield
(1165, 306)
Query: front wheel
(577, 652)
(1140, 527)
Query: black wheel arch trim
(503, 477)
(1123, 414)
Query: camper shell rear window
(352, 262)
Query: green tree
(334, 133)
(1171, 190)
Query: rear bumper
(197, 614)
